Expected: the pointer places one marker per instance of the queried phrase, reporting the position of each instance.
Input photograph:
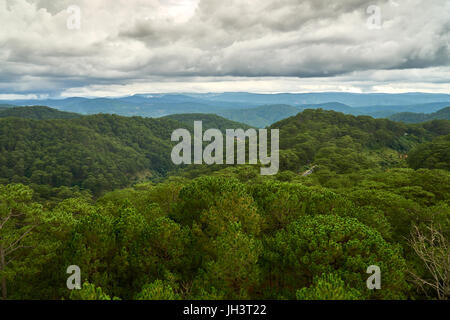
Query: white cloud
(22, 96)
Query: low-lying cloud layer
(128, 46)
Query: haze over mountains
(258, 110)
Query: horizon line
(37, 97)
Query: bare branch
(4, 221)
(432, 248)
(17, 248)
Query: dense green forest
(104, 152)
(432, 155)
(100, 192)
(97, 153)
(342, 144)
(411, 117)
(100, 152)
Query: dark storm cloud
(124, 41)
(296, 38)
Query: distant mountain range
(350, 99)
(262, 116)
(266, 115)
(258, 110)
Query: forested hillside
(36, 112)
(100, 152)
(431, 155)
(5, 106)
(105, 152)
(410, 117)
(342, 144)
(208, 121)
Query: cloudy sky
(112, 48)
